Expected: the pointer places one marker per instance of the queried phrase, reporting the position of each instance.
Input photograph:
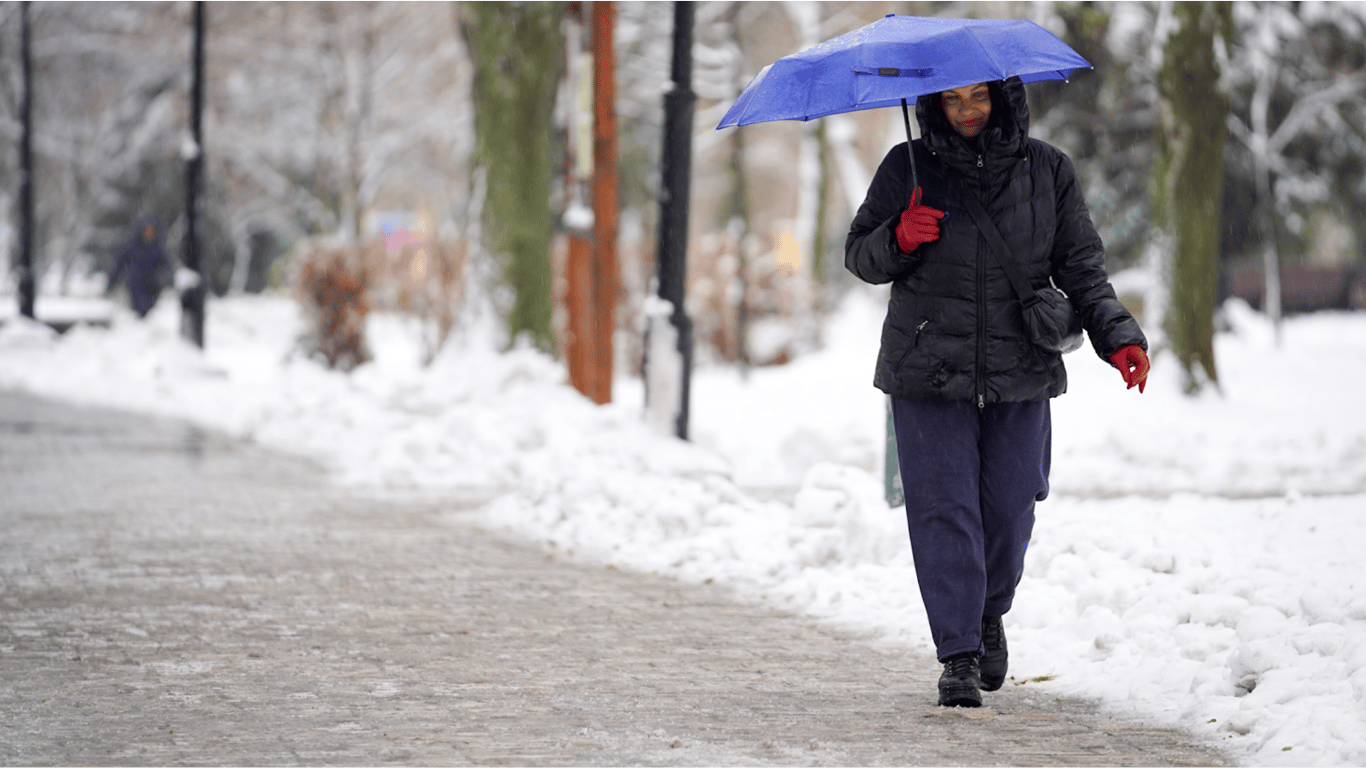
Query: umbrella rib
(986, 54)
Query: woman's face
(968, 109)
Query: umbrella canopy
(899, 58)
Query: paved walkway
(169, 596)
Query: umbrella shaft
(910, 151)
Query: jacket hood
(1006, 133)
(141, 223)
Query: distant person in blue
(970, 390)
(143, 262)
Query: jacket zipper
(914, 342)
(981, 305)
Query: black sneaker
(961, 683)
(994, 656)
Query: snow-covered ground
(1197, 563)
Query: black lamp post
(27, 283)
(673, 210)
(192, 299)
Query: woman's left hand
(1133, 365)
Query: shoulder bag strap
(998, 245)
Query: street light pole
(192, 298)
(673, 214)
(27, 282)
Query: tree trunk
(811, 158)
(1261, 147)
(578, 267)
(1190, 182)
(735, 216)
(517, 52)
(820, 242)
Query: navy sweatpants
(971, 476)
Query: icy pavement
(169, 595)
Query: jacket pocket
(915, 340)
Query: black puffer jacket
(954, 329)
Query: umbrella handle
(910, 153)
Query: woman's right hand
(919, 224)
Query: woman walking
(970, 390)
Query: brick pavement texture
(170, 596)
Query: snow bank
(1196, 563)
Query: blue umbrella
(896, 59)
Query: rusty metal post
(578, 342)
(605, 201)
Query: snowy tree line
(322, 114)
(315, 114)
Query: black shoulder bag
(1049, 318)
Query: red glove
(919, 224)
(1133, 365)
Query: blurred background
(342, 149)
